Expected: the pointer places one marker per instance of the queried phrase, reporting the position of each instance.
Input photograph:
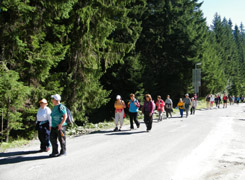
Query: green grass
(16, 143)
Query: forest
(89, 51)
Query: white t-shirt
(44, 115)
(212, 99)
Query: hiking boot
(116, 129)
(54, 155)
(138, 126)
(62, 154)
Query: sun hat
(44, 101)
(118, 97)
(56, 97)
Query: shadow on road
(21, 159)
(126, 133)
(18, 153)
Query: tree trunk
(7, 122)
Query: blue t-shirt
(57, 115)
(132, 107)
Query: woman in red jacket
(160, 107)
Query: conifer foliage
(91, 50)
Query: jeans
(133, 118)
(148, 120)
(181, 112)
(193, 109)
(44, 135)
(56, 134)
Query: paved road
(209, 145)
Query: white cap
(187, 95)
(118, 97)
(56, 97)
(43, 101)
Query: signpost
(196, 78)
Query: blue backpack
(69, 119)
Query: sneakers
(62, 154)
(138, 126)
(47, 149)
(116, 129)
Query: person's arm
(152, 109)
(49, 117)
(63, 121)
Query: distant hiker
(225, 98)
(160, 107)
(233, 99)
(168, 106)
(217, 100)
(181, 106)
(195, 98)
(237, 100)
(242, 99)
(211, 101)
(208, 101)
(119, 112)
(193, 105)
(187, 102)
(59, 115)
(43, 125)
(148, 110)
(230, 99)
(133, 106)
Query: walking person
(237, 100)
(58, 115)
(43, 125)
(133, 106)
(208, 101)
(242, 99)
(187, 102)
(225, 98)
(230, 99)
(217, 100)
(148, 110)
(181, 106)
(212, 101)
(119, 106)
(168, 106)
(193, 105)
(160, 107)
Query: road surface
(207, 146)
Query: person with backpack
(59, 116)
(43, 125)
(187, 102)
(168, 106)
(208, 101)
(119, 106)
(181, 106)
(225, 101)
(193, 105)
(160, 107)
(133, 106)
(217, 100)
(148, 110)
(212, 101)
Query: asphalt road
(208, 145)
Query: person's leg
(121, 114)
(116, 121)
(53, 139)
(146, 119)
(150, 123)
(62, 139)
(131, 116)
(41, 137)
(187, 111)
(180, 113)
(135, 117)
(47, 136)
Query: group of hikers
(51, 125)
(187, 104)
(211, 99)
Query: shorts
(225, 101)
